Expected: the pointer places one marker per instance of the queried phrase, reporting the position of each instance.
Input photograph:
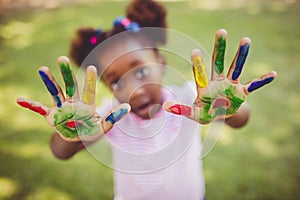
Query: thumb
(178, 108)
(115, 115)
(192, 112)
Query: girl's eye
(117, 85)
(142, 73)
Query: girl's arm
(63, 149)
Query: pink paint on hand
(220, 103)
(94, 40)
(33, 108)
(73, 124)
(181, 110)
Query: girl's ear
(162, 59)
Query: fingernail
(116, 116)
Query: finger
(52, 86)
(89, 92)
(237, 65)
(178, 108)
(195, 113)
(34, 106)
(115, 115)
(218, 55)
(199, 69)
(259, 82)
(69, 77)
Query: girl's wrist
(241, 118)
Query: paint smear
(199, 71)
(68, 78)
(89, 90)
(181, 110)
(258, 84)
(74, 124)
(220, 102)
(219, 62)
(116, 116)
(243, 52)
(51, 88)
(33, 108)
(71, 123)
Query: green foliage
(259, 161)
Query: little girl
(155, 153)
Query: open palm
(222, 96)
(74, 118)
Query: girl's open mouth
(144, 109)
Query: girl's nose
(137, 90)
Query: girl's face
(134, 76)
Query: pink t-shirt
(159, 158)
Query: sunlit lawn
(260, 161)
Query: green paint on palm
(84, 117)
(68, 78)
(219, 61)
(235, 101)
(229, 92)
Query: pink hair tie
(127, 24)
(94, 39)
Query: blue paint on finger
(243, 53)
(116, 116)
(259, 84)
(57, 100)
(51, 87)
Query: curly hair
(146, 13)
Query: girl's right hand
(73, 118)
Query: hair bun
(148, 13)
(81, 45)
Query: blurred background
(259, 161)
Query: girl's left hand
(222, 96)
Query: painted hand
(222, 96)
(74, 118)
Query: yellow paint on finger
(89, 88)
(199, 72)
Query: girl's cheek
(122, 98)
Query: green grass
(259, 161)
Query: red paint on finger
(24, 104)
(33, 108)
(181, 110)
